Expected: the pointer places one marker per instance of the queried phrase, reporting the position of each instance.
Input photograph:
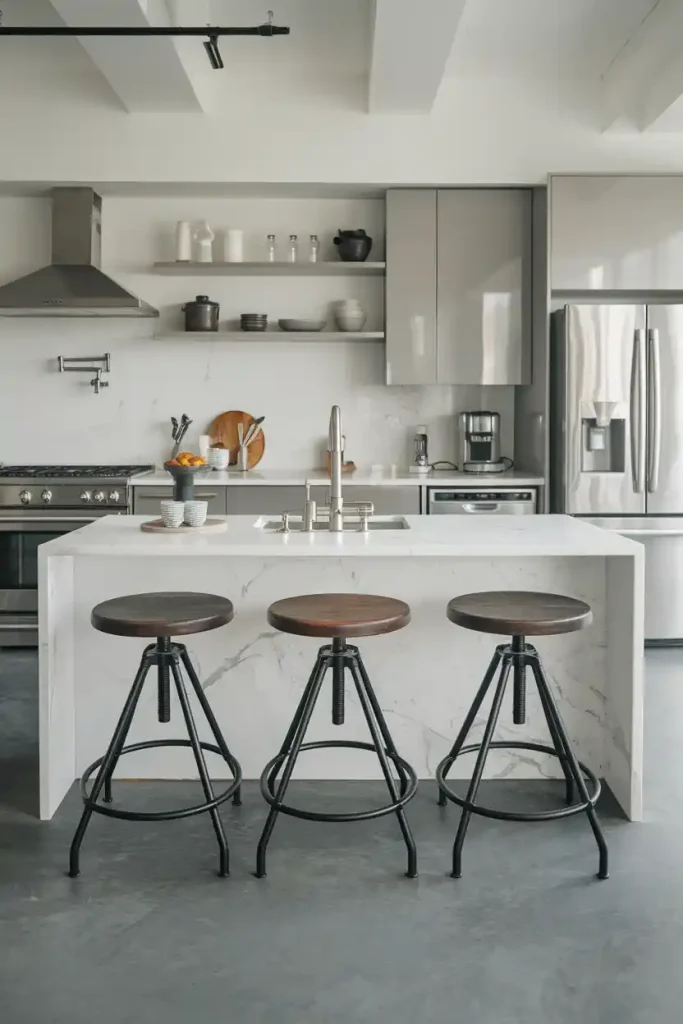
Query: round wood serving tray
(210, 526)
(224, 429)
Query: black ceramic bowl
(183, 481)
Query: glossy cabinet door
(410, 313)
(611, 233)
(483, 286)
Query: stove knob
(99, 496)
(86, 496)
(47, 497)
(25, 497)
(114, 496)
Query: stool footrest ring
(489, 812)
(183, 812)
(377, 812)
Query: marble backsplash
(57, 418)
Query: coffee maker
(479, 442)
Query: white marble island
(425, 675)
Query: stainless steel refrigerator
(616, 437)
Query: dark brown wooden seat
(339, 615)
(162, 614)
(519, 613)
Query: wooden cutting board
(224, 429)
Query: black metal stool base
(338, 657)
(167, 657)
(516, 657)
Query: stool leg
(364, 690)
(297, 731)
(110, 758)
(320, 660)
(479, 766)
(470, 717)
(544, 689)
(381, 721)
(108, 798)
(556, 738)
(224, 869)
(208, 713)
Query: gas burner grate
(71, 472)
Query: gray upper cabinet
(483, 286)
(410, 316)
(612, 233)
(458, 296)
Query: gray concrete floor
(149, 934)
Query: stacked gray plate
(254, 321)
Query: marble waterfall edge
(425, 675)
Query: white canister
(204, 237)
(183, 241)
(234, 245)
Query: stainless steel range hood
(73, 285)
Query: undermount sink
(350, 526)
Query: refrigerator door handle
(654, 410)
(637, 411)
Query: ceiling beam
(410, 46)
(147, 74)
(644, 82)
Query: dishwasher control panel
(489, 501)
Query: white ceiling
(328, 58)
(543, 37)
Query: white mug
(234, 245)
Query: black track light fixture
(213, 53)
(214, 32)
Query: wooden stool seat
(338, 615)
(162, 614)
(519, 613)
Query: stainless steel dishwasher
(493, 501)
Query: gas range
(38, 504)
(67, 487)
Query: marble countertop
(450, 536)
(365, 477)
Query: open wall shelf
(256, 336)
(299, 269)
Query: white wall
(155, 374)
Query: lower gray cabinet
(257, 500)
(388, 501)
(146, 499)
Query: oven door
(21, 534)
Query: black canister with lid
(201, 314)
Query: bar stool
(162, 616)
(520, 614)
(338, 616)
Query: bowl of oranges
(183, 469)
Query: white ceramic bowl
(195, 512)
(350, 321)
(172, 512)
(218, 458)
